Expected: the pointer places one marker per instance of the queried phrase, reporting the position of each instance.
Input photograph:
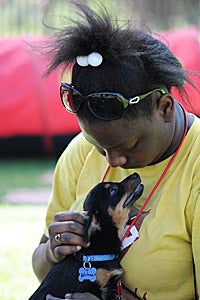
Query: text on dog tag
(87, 274)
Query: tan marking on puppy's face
(103, 276)
(94, 226)
(120, 215)
(107, 185)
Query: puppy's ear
(91, 226)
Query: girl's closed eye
(132, 148)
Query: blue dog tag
(87, 274)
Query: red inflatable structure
(32, 118)
(184, 43)
(31, 113)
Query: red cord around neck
(159, 180)
(105, 174)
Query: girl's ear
(165, 107)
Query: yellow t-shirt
(159, 265)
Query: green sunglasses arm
(136, 99)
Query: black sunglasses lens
(106, 108)
(70, 99)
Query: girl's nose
(115, 159)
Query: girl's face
(130, 143)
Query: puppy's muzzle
(134, 189)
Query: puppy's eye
(113, 190)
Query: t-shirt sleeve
(66, 175)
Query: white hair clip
(94, 59)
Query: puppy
(96, 269)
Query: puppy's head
(109, 203)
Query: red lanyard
(105, 174)
(159, 180)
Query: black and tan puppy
(96, 269)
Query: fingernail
(68, 296)
(48, 297)
(77, 249)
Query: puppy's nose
(116, 160)
(135, 176)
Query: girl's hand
(75, 296)
(65, 235)
(87, 296)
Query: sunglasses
(103, 105)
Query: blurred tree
(25, 16)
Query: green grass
(21, 226)
(26, 173)
(20, 231)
